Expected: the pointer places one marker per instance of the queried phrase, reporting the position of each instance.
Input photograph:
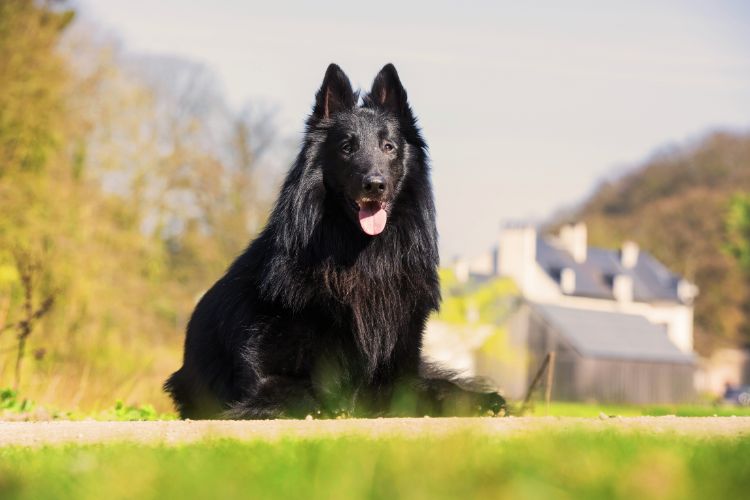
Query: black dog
(324, 313)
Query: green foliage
(566, 464)
(10, 401)
(32, 79)
(128, 412)
(480, 308)
(738, 230)
(487, 302)
(124, 412)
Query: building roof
(652, 281)
(600, 334)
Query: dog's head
(365, 148)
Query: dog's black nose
(373, 184)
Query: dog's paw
(492, 404)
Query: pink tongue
(372, 218)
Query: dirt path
(174, 432)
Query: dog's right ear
(335, 94)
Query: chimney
(629, 254)
(517, 254)
(574, 239)
(686, 291)
(461, 269)
(568, 281)
(622, 288)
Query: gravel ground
(175, 432)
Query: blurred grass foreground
(569, 464)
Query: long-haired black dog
(324, 313)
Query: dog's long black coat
(316, 316)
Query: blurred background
(591, 167)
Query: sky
(524, 108)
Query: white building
(565, 271)
(619, 320)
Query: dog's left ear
(388, 93)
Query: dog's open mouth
(372, 216)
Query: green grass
(11, 402)
(562, 409)
(570, 464)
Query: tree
(29, 270)
(738, 246)
(32, 79)
(126, 186)
(738, 230)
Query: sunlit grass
(570, 464)
(565, 409)
(12, 404)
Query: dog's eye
(388, 147)
(346, 147)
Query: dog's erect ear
(335, 94)
(387, 91)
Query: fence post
(550, 379)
